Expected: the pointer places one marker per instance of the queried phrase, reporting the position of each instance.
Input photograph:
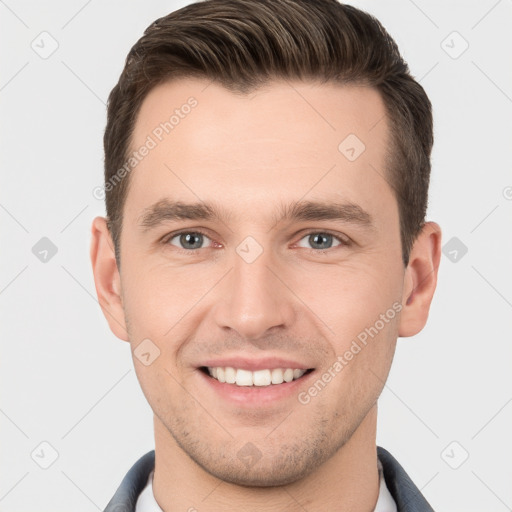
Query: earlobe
(106, 277)
(420, 280)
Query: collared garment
(397, 492)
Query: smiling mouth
(260, 378)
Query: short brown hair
(243, 44)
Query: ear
(106, 277)
(420, 280)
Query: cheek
(156, 298)
(349, 298)
(360, 366)
(360, 304)
(159, 386)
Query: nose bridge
(254, 298)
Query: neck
(347, 481)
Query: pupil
(321, 238)
(188, 239)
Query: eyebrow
(167, 210)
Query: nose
(254, 298)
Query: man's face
(252, 289)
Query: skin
(249, 154)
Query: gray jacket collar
(407, 496)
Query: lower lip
(252, 396)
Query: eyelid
(169, 236)
(343, 239)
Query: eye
(321, 240)
(188, 240)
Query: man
(266, 175)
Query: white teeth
(257, 378)
(277, 376)
(262, 378)
(297, 374)
(288, 375)
(244, 378)
(230, 375)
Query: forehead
(286, 140)
(323, 109)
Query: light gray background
(69, 382)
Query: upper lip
(253, 364)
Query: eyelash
(168, 238)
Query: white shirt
(147, 503)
